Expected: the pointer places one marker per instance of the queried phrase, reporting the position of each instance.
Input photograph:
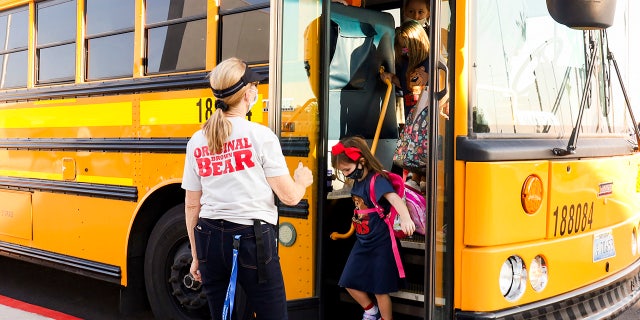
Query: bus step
(408, 295)
(416, 241)
(400, 306)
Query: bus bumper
(602, 300)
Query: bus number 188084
(573, 218)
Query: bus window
(363, 40)
(109, 38)
(56, 40)
(176, 36)
(13, 54)
(535, 84)
(245, 33)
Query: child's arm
(391, 77)
(408, 227)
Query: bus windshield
(530, 74)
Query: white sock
(372, 311)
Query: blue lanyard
(231, 290)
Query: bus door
(438, 279)
(358, 42)
(293, 109)
(355, 44)
(324, 86)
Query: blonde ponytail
(218, 128)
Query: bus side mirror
(583, 14)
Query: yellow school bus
(532, 179)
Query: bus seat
(361, 42)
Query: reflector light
(531, 195)
(538, 276)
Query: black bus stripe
(292, 146)
(84, 267)
(79, 188)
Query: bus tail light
(513, 278)
(531, 194)
(538, 276)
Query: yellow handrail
(336, 235)
(383, 112)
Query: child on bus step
(371, 266)
(418, 11)
(411, 46)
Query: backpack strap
(376, 207)
(388, 222)
(394, 247)
(363, 211)
(372, 195)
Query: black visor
(249, 76)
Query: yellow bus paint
(187, 111)
(171, 111)
(88, 115)
(31, 174)
(105, 180)
(15, 214)
(58, 177)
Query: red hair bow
(352, 153)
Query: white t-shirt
(233, 182)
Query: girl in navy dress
(371, 267)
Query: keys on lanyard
(231, 289)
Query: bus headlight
(513, 278)
(538, 273)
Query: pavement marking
(12, 309)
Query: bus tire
(167, 262)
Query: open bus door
(327, 72)
(438, 280)
(354, 43)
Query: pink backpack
(416, 204)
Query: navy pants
(214, 246)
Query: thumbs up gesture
(303, 175)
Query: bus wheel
(166, 264)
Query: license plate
(603, 246)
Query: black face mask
(356, 174)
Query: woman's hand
(303, 175)
(291, 190)
(194, 270)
